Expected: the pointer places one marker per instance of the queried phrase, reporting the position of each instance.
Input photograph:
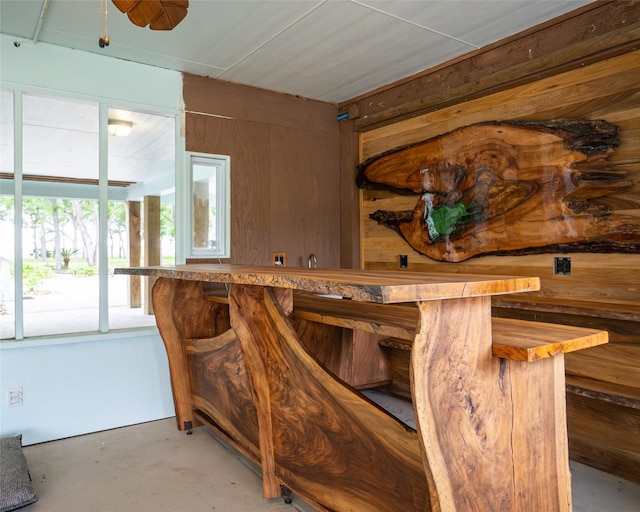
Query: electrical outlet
(15, 396)
(279, 259)
(562, 266)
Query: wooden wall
(583, 65)
(592, 34)
(606, 90)
(285, 177)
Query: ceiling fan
(158, 14)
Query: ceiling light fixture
(119, 128)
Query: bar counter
(491, 431)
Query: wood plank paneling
(305, 199)
(250, 177)
(285, 172)
(246, 103)
(595, 277)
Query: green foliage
(85, 270)
(67, 253)
(167, 220)
(6, 208)
(66, 256)
(443, 219)
(34, 275)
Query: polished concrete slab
(153, 467)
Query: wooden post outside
(133, 229)
(200, 215)
(151, 244)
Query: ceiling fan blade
(158, 14)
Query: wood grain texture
(603, 291)
(158, 15)
(507, 188)
(324, 341)
(183, 314)
(151, 218)
(593, 33)
(257, 106)
(578, 93)
(614, 393)
(260, 387)
(276, 170)
(484, 410)
(384, 287)
(329, 443)
(531, 341)
(604, 435)
(364, 362)
(252, 327)
(511, 338)
(134, 253)
(220, 388)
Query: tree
(36, 211)
(85, 213)
(167, 220)
(6, 208)
(117, 218)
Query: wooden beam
(596, 32)
(151, 244)
(61, 179)
(133, 230)
(350, 197)
(200, 215)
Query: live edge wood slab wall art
(513, 187)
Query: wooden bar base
(491, 431)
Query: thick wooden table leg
(492, 431)
(181, 313)
(252, 326)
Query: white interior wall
(84, 384)
(72, 387)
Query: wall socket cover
(15, 396)
(562, 266)
(279, 259)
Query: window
(73, 200)
(209, 199)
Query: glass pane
(203, 207)
(60, 216)
(142, 172)
(6, 132)
(7, 286)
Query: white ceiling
(330, 50)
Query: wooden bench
(603, 384)
(512, 339)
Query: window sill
(47, 341)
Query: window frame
(104, 195)
(223, 205)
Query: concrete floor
(147, 467)
(156, 468)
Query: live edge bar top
(385, 287)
